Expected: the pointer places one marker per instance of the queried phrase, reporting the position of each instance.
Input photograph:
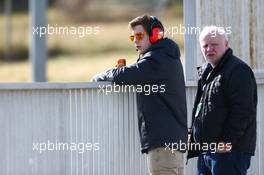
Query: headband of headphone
(156, 31)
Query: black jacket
(162, 116)
(228, 98)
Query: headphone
(156, 31)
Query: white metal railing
(34, 114)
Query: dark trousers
(232, 163)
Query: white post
(8, 29)
(38, 49)
(190, 41)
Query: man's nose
(209, 48)
(136, 41)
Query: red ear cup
(156, 34)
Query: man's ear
(226, 44)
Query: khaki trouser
(164, 162)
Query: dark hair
(146, 21)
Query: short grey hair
(213, 30)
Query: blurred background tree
(73, 58)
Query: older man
(224, 113)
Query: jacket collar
(206, 68)
(225, 58)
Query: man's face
(213, 48)
(141, 39)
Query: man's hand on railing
(102, 76)
(99, 77)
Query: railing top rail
(78, 85)
(46, 85)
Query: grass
(64, 68)
(83, 68)
(72, 58)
